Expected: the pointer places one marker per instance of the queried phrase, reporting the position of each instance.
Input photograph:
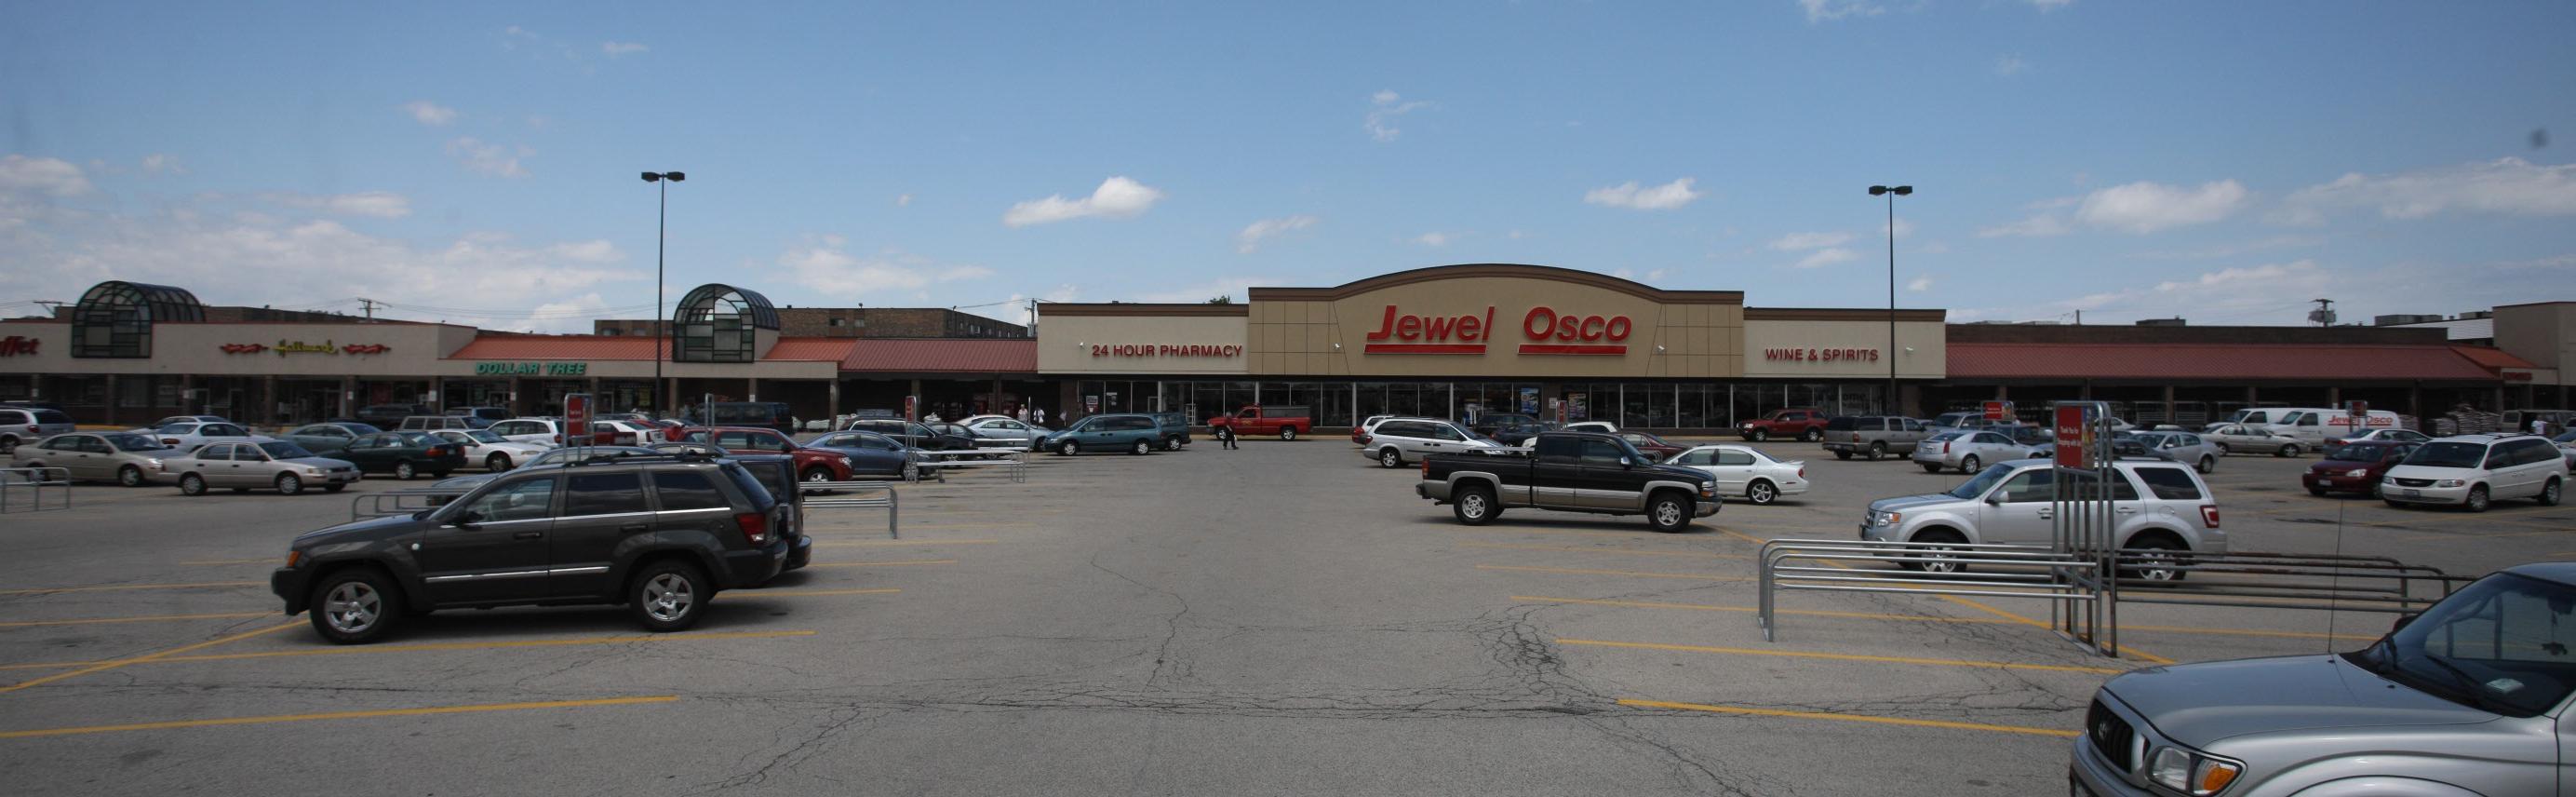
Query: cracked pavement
(1285, 618)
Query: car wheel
(354, 606)
(496, 463)
(1811, 435)
(192, 484)
(1068, 449)
(1758, 435)
(669, 596)
(2549, 494)
(129, 476)
(2290, 450)
(1171, 444)
(2222, 449)
(816, 474)
(1388, 457)
(1969, 463)
(1877, 450)
(288, 484)
(8, 445)
(2159, 560)
(403, 470)
(1287, 433)
(2208, 464)
(2478, 499)
(1669, 512)
(1930, 467)
(1476, 506)
(1761, 492)
(1936, 557)
(333, 488)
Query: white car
(1604, 427)
(623, 433)
(1746, 471)
(193, 435)
(2475, 470)
(999, 432)
(542, 431)
(2244, 438)
(497, 453)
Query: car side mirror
(1625, 462)
(1997, 499)
(467, 519)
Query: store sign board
(1999, 410)
(1163, 350)
(1819, 354)
(15, 345)
(2074, 436)
(576, 408)
(1548, 331)
(532, 369)
(286, 347)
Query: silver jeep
(2159, 505)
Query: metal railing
(24, 489)
(1013, 460)
(883, 497)
(2326, 582)
(2041, 573)
(403, 502)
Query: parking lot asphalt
(1285, 618)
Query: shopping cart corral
(1014, 463)
(35, 489)
(408, 501)
(818, 496)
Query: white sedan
(497, 453)
(193, 435)
(997, 431)
(1746, 471)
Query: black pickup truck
(1572, 472)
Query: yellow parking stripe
(431, 647)
(1999, 665)
(812, 593)
(338, 715)
(115, 663)
(892, 563)
(1869, 718)
(1588, 572)
(895, 543)
(197, 585)
(1571, 549)
(144, 619)
(208, 562)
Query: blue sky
(2219, 161)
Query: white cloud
(1827, 257)
(903, 201)
(2009, 65)
(1623, 273)
(1919, 284)
(2507, 186)
(615, 49)
(2050, 5)
(1116, 198)
(1251, 236)
(1656, 275)
(1516, 235)
(2033, 227)
(162, 162)
(593, 251)
(1433, 239)
(2145, 207)
(822, 267)
(1828, 10)
(377, 204)
(1384, 107)
(429, 113)
(1801, 241)
(2231, 249)
(48, 176)
(492, 159)
(1630, 195)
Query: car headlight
(1886, 518)
(2191, 772)
(312, 471)
(2451, 483)
(152, 461)
(2357, 472)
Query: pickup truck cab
(1873, 436)
(1571, 472)
(1807, 424)
(1255, 420)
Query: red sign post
(576, 419)
(1999, 410)
(2074, 437)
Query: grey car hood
(356, 527)
(2198, 704)
(1902, 503)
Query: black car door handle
(527, 535)
(635, 528)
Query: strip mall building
(1446, 341)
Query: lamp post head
(654, 177)
(1874, 190)
(1902, 190)
(677, 176)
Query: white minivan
(2314, 425)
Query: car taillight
(755, 527)
(34, 428)
(169, 441)
(1426, 468)
(558, 439)
(2209, 516)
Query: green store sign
(532, 369)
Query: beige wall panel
(1058, 352)
(1818, 344)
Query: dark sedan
(2354, 467)
(404, 454)
(329, 436)
(1652, 446)
(914, 435)
(1516, 433)
(870, 454)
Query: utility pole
(2079, 318)
(369, 305)
(2324, 315)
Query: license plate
(2411, 493)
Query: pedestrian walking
(1022, 413)
(1037, 415)
(1225, 437)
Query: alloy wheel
(352, 607)
(669, 596)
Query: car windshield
(1946, 437)
(421, 438)
(281, 449)
(2500, 644)
(135, 442)
(2359, 452)
(2449, 455)
(2568, 437)
(360, 428)
(1984, 481)
(480, 436)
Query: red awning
(2492, 358)
(2263, 362)
(621, 347)
(943, 355)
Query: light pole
(1891, 193)
(661, 232)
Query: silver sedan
(1746, 471)
(241, 467)
(2184, 447)
(1968, 450)
(2238, 438)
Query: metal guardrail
(2286, 581)
(403, 502)
(884, 498)
(1011, 459)
(1835, 576)
(23, 489)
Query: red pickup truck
(1805, 423)
(1254, 420)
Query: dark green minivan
(1134, 434)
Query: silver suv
(2160, 505)
(2468, 698)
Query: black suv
(660, 534)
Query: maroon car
(2354, 468)
(812, 464)
(1650, 444)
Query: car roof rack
(623, 459)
